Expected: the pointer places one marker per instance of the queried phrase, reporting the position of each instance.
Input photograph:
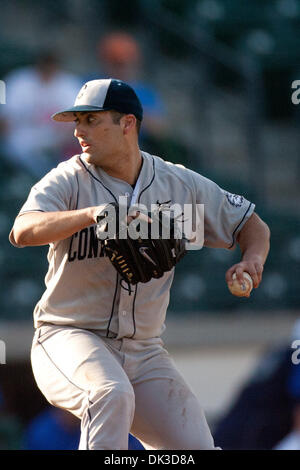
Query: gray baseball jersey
(82, 287)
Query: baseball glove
(142, 258)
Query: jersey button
(124, 313)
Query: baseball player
(97, 350)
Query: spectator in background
(30, 138)
(120, 56)
(56, 429)
(261, 413)
(266, 413)
(10, 427)
(292, 440)
(52, 429)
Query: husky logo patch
(234, 199)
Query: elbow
(20, 236)
(17, 237)
(26, 231)
(267, 237)
(256, 228)
(266, 230)
(260, 223)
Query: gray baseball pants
(118, 386)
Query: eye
(91, 119)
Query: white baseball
(241, 290)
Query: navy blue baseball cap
(103, 95)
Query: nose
(79, 131)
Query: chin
(91, 158)
(88, 156)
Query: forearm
(41, 228)
(254, 240)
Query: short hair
(116, 117)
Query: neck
(125, 166)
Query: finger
(144, 217)
(256, 280)
(133, 214)
(258, 275)
(229, 274)
(239, 274)
(253, 274)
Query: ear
(128, 123)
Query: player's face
(99, 137)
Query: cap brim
(68, 115)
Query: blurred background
(215, 79)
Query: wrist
(103, 210)
(92, 213)
(253, 258)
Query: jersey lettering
(84, 244)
